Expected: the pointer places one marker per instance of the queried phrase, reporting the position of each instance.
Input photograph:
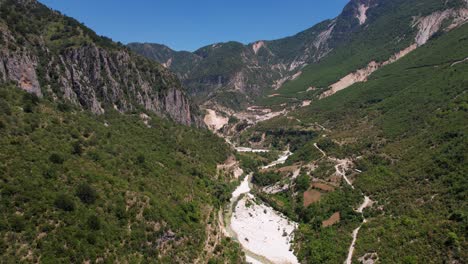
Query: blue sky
(191, 24)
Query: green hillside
(389, 29)
(78, 187)
(405, 129)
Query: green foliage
(250, 162)
(17, 223)
(302, 183)
(406, 128)
(127, 176)
(56, 158)
(86, 193)
(305, 153)
(64, 202)
(94, 223)
(77, 148)
(265, 178)
(280, 134)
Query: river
(265, 234)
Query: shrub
(29, 98)
(56, 158)
(17, 223)
(28, 108)
(140, 159)
(266, 178)
(64, 107)
(3, 247)
(5, 107)
(77, 148)
(49, 173)
(64, 202)
(86, 193)
(120, 212)
(91, 239)
(94, 223)
(302, 182)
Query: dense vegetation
(61, 58)
(79, 187)
(30, 20)
(405, 129)
(388, 30)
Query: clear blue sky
(191, 24)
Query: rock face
(20, 67)
(431, 24)
(233, 74)
(426, 26)
(97, 74)
(357, 42)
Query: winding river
(265, 234)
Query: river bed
(265, 234)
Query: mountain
(55, 56)
(78, 187)
(353, 134)
(392, 30)
(303, 66)
(101, 157)
(399, 142)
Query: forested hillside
(78, 187)
(345, 143)
(402, 139)
(55, 56)
(93, 165)
(233, 76)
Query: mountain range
(364, 36)
(353, 132)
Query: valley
(344, 143)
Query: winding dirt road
(340, 169)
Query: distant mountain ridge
(233, 75)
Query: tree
(86, 193)
(77, 148)
(94, 223)
(141, 159)
(56, 158)
(17, 223)
(64, 202)
(302, 182)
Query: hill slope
(303, 66)
(55, 56)
(78, 187)
(93, 165)
(400, 138)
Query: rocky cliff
(235, 75)
(54, 56)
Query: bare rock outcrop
(426, 27)
(94, 77)
(429, 25)
(20, 68)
